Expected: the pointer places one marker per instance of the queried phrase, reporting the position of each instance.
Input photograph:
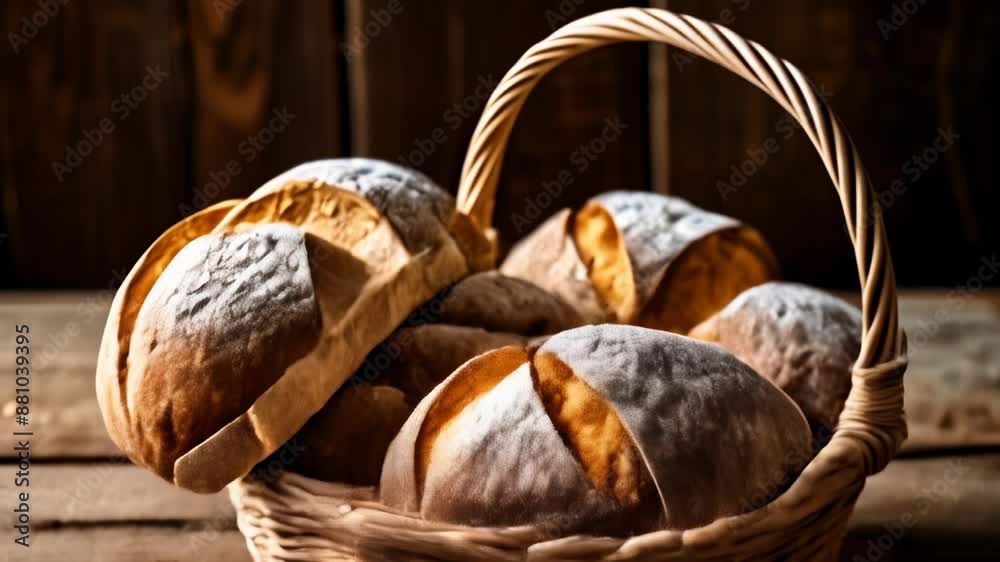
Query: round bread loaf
(608, 430)
(803, 339)
(242, 320)
(347, 440)
(643, 258)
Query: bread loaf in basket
(805, 519)
(598, 443)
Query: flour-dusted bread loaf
(500, 303)
(604, 429)
(347, 440)
(643, 258)
(242, 320)
(803, 339)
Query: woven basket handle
(874, 412)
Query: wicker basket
(295, 518)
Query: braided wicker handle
(874, 413)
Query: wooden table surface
(939, 501)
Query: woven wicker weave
(295, 518)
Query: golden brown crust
(405, 368)
(214, 391)
(346, 441)
(602, 248)
(112, 363)
(592, 430)
(706, 276)
(479, 376)
(606, 429)
(802, 339)
(500, 303)
(548, 258)
(643, 258)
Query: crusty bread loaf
(643, 258)
(548, 258)
(605, 429)
(482, 312)
(347, 439)
(241, 321)
(224, 307)
(803, 339)
(500, 303)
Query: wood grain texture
(220, 72)
(893, 108)
(251, 62)
(65, 333)
(952, 385)
(102, 492)
(945, 508)
(71, 227)
(128, 543)
(230, 64)
(98, 508)
(420, 104)
(953, 382)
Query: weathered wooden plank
(935, 210)
(953, 381)
(95, 149)
(65, 333)
(64, 417)
(929, 509)
(267, 77)
(106, 492)
(446, 57)
(952, 398)
(128, 543)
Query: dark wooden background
(232, 62)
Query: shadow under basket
(297, 518)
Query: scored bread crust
(548, 258)
(482, 312)
(710, 432)
(112, 366)
(224, 306)
(626, 256)
(420, 211)
(405, 367)
(500, 303)
(357, 262)
(803, 339)
(722, 432)
(399, 483)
